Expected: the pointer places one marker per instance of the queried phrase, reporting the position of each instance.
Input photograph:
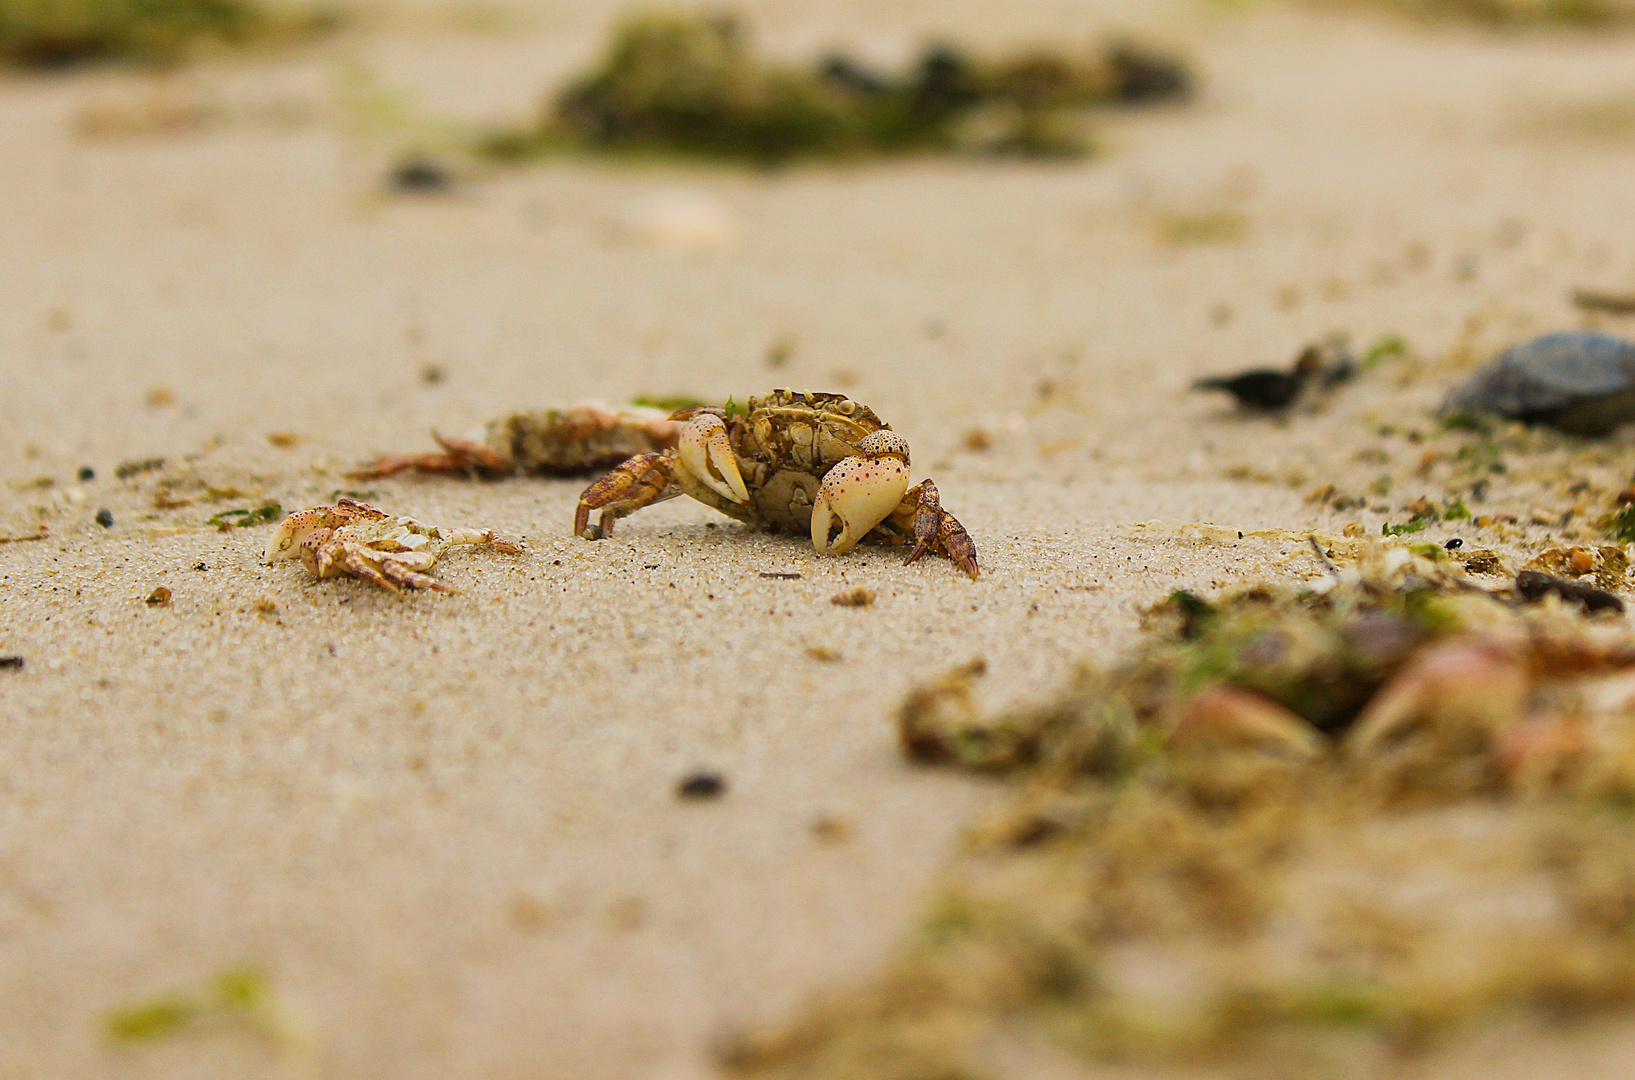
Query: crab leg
(860, 492)
(505, 545)
(638, 482)
(936, 527)
(405, 568)
(459, 456)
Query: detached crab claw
(860, 492)
(706, 453)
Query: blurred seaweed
(1296, 825)
(691, 84)
(59, 33)
(1510, 13)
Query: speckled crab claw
(706, 453)
(860, 492)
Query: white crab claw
(860, 492)
(706, 453)
(285, 541)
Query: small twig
(23, 539)
(1611, 303)
(781, 575)
(1322, 556)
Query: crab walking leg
(706, 453)
(406, 567)
(936, 527)
(638, 482)
(505, 545)
(459, 456)
(860, 492)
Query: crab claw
(706, 453)
(285, 541)
(860, 492)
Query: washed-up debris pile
(1296, 825)
(688, 84)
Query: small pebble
(701, 785)
(1455, 544)
(87, 473)
(856, 597)
(14, 662)
(158, 597)
(105, 518)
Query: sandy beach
(444, 828)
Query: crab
(553, 442)
(360, 540)
(789, 462)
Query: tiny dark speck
(1455, 544)
(650, 566)
(105, 518)
(11, 662)
(87, 473)
(1240, 534)
(701, 785)
(200, 566)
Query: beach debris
(553, 442)
(417, 174)
(809, 463)
(780, 575)
(244, 517)
(236, 997)
(1228, 843)
(86, 473)
(1607, 564)
(11, 663)
(159, 597)
(105, 518)
(698, 786)
(356, 539)
(1322, 366)
(1535, 585)
(136, 466)
(856, 596)
(1574, 381)
(1610, 303)
(691, 84)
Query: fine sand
(444, 827)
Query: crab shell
(783, 447)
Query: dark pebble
(421, 176)
(87, 473)
(11, 662)
(105, 518)
(1455, 544)
(1578, 382)
(701, 785)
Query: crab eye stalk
(706, 453)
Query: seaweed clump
(686, 84)
(1294, 826)
(1514, 14)
(59, 33)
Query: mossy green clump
(689, 84)
(57, 33)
